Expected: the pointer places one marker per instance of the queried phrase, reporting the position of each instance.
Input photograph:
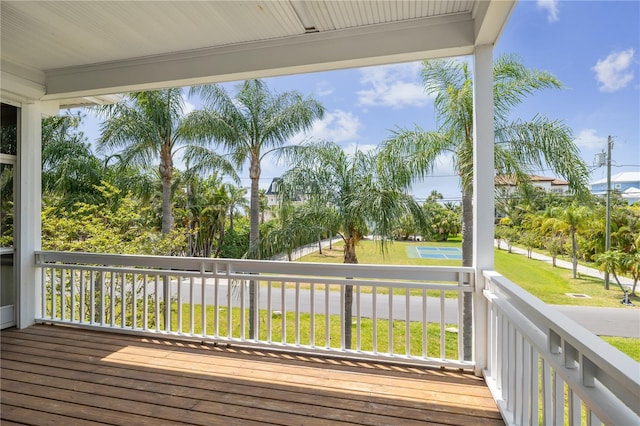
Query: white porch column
(28, 208)
(483, 196)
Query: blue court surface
(428, 252)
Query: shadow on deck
(62, 375)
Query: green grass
(319, 327)
(627, 345)
(369, 252)
(539, 278)
(550, 284)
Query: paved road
(623, 321)
(399, 306)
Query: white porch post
(28, 208)
(483, 196)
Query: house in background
(274, 198)
(507, 183)
(625, 183)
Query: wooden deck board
(53, 374)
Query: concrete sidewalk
(307, 249)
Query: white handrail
(545, 368)
(186, 297)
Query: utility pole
(607, 242)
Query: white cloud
(323, 88)
(587, 138)
(337, 126)
(351, 148)
(393, 86)
(551, 6)
(613, 72)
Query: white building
(625, 183)
(549, 184)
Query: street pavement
(622, 322)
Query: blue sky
(593, 47)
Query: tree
(70, 171)
(152, 126)
(631, 262)
(573, 216)
(442, 221)
(289, 229)
(237, 200)
(520, 146)
(612, 262)
(554, 231)
(203, 210)
(251, 126)
(263, 203)
(362, 194)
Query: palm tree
(237, 199)
(574, 216)
(520, 146)
(151, 126)
(612, 261)
(362, 194)
(251, 126)
(69, 169)
(263, 203)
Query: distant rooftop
(621, 178)
(502, 180)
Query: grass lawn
(627, 345)
(550, 284)
(368, 251)
(320, 331)
(539, 278)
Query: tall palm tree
(574, 218)
(251, 126)
(363, 196)
(520, 146)
(149, 127)
(237, 199)
(263, 203)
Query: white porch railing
(300, 305)
(545, 369)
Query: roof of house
(510, 180)
(622, 177)
(273, 187)
(631, 192)
(72, 51)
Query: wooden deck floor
(52, 375)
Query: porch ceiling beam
(412, 40)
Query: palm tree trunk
(467, 260)
(254, 239)
(166, 174)
(349, 257)
(574, 258)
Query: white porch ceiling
(67, 50)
